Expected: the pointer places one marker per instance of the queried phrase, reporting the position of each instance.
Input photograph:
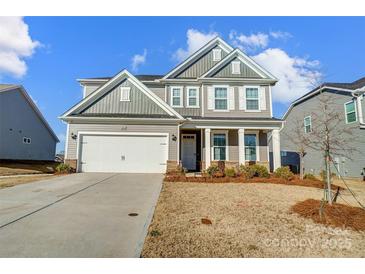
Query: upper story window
(125, 93)
(192, 97)
(236, 67)
(176, 96)
(217, 54)
(252, 98)
(27, 140)
(350, 112)
(220, 98)
(307, 124)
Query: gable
(226, 71)
(110, 102)
(200, 65)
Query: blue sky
(57, 50)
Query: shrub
(212, 170)
(323, 175)
(64, 168)
(221, 166)
(254, 171)
(309, 176)
(284, 173)
(230, 172)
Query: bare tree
(329, 134)
(301, 142)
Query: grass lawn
(26, 167)
(247, 220)
(18, 180)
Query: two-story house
(349, 104)
(214, 106)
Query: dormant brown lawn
(247, 220)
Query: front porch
(200, 148)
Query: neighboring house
(24, 133)
(349, 98)
(214, 106)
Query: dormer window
(217, 54)
(124, 93)
(236, 67)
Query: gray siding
(110, 103)
(75, 128)
(90, 88)
(236, 112)
(19, 120)
(185, 111)
(313, 161)
(200, 66)
(226, 71)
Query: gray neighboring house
(24, 132)
(214, 106)
(349, 98)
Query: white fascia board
(227, 48)
(314, 92)
(121, 119)
(124, 73)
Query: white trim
(202, 104)
(241, 146)
(355, 110)
(111, 133)
(212, 143)
(258, 99)
(227, 48)
(257, 133)
(197, 88)
(208, 158)
(227, 97)
(270, 100)
(125, 89)
(215, 53)
(66, 141)
(178, 145)
(181, 96)
(236, 63)
(166, 86)
(310, 123)
(124, 74)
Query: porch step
(193, 174)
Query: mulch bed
(337, 215)
(272, 180)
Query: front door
(188, 151)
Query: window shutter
(181, 97)
(262, 97)
(242, 98)
(231, 98)
(210, 98)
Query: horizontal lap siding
(75, 128)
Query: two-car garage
(123, 152)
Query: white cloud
(280, 34)
(138, 60)
(195, 40)
(15, 45)
(296, 75)
(249, 42)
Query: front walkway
(80, 215)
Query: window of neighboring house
(307, 124)
(192, 99)
(124, 93)
(236, 67)
(350, 111)
(176, 94)
(217, 54)
(252, 98)
(219, 146)
(220, 98)
(251, 147)
(27, 140)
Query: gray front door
(188, 151)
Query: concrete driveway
(79, 215)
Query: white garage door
(123, 153)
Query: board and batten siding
(75, 128)
(110, 103)
(313, 160)
(226, 71)
(200, 66)
(237, 112)
(184, 110)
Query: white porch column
(241, 146)
(276, 148)
(207, 147)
